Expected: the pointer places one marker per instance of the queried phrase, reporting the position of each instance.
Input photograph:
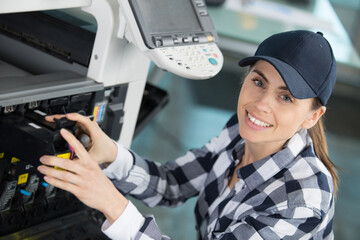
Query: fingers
(67, 186)
(60, 174)
(52, 117)
(78, 118)
(63, 163)
(66, 180)
(75, 144)
(85, 123)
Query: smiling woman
(267, 112)
(265, 176)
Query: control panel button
(158, 43)
(213, 61)
(210, 38)
(200, 3)
(176, 41)
(195, 39)
(203, 12)
(185, 40)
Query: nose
(263, 103)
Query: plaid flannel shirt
(288, 195)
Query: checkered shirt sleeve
(287, 195)
(174, 182)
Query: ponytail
(317, 134)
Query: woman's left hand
(84, 178)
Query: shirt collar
(260, 171)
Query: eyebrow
(261, 74)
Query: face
(267, 112)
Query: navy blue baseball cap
(304, 60)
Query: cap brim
(293, 80)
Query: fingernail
(41, 169)
(46, 178)
(42, 159)
(64, 131)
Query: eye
(258, 83)
(286, 98)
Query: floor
(198, 111)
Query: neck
(256, 151)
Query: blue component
(204, 49)
(44, 184)
(213, 61)
(24, 192)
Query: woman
(266, 176)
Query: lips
(258, 122)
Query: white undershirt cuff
(121, 166)
(126, 226)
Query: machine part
(7, 191)
(32, 186)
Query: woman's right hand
(102, 148)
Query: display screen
(170, 16)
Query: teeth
(258, 122)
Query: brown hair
(317, 133)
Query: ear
(313, 117)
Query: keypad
(195, 61)
(201, 57)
